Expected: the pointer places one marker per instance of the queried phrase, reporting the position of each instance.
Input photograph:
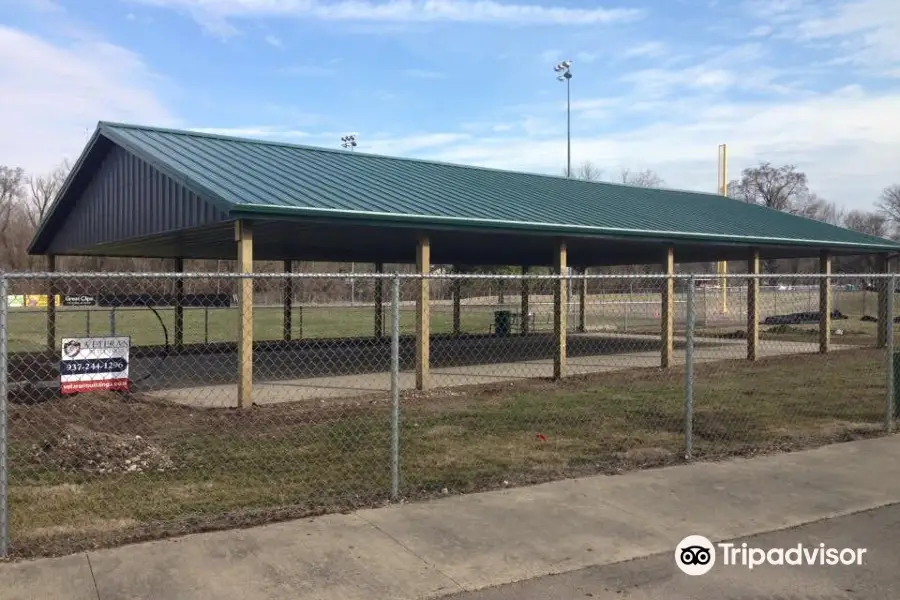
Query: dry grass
(238, 468)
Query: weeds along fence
(122, 395)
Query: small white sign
(96, 363)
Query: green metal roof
(267, 179)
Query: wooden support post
(244, 238)
(423, 314)
(288, 299)
(179, 305)
(753, 307)
(582, 301)
(667, 311)
(825, 303)
(457, 300)
(885, 295)
(52, 291)
(560, 312)
(379, 302)
(523, 319)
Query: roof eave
(250, 211)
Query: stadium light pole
(722, 266)
(564, 73)
(564, 70)
(349, 141)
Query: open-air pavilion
(156, 193)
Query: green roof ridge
(296, 146)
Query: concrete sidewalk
(441, 547)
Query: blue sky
(657, 83)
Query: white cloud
(45, 6)
(217, 12)
(51, 93)
(645, 50)
(587, 57)
(274, 40)
(550, 56)
(863, 33)
(261, 132)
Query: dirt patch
(80, 450)
(646, 456)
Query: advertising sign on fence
(39, 300)
(79, 300)
(95, 363)
(17, 301)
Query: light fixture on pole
(565, 74)
(349, 141)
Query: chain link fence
(523, 379)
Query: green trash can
(502, 322)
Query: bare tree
(12, 188)
(812, 206)
(774, 187)
(586, 171)
(870, 223)
(44, 189)
(646, 178)
(889, 204)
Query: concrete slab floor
(268, 391)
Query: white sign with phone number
(91, 364)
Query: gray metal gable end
(114, 195)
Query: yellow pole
(722, 266)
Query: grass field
(632, 312)
(71, 486)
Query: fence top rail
(448, 276)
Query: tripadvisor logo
(696, 555)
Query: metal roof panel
(277, 178)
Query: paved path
(314, 373)
(654, 578)
(467, 543)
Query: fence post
(890, 407)
(4, 448)
(689, 372)
(87, 321)
(395, 387)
